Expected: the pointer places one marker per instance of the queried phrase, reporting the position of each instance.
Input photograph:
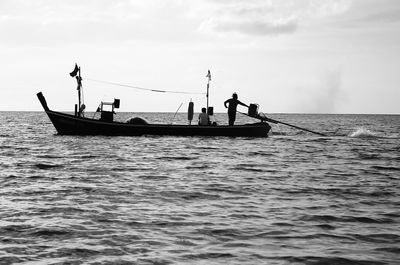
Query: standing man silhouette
(233, 102)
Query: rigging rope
(143, 88)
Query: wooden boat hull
(67, 124)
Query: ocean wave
(223, 233)
(278, 133)
(256, 167)
(369, 156)
(346, 219)
(379, 238)
(326, 226)
(171, 158)
(11, 259)
(363, 133)
(47, 166)
(153, 177)
(48, 232)
(188, 195)
(386, 168)
(337, 261)
(395, 250)
(369, 134)
(210, 256)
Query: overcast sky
(302, 56)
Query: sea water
(291, 198)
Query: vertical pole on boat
(78, 79)
(77, 73)
(208, 85)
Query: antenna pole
(208, 86)
(79, 80)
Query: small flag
(209, 75)
(75, 72)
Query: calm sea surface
(292, 198)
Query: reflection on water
(291, 198)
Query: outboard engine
(253, 110)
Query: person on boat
(232, 105)
(203, 117)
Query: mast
(77, 73)
(79, 81)
(208, 86)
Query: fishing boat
(78, 124)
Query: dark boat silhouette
(77, 124)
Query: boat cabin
(108, 115)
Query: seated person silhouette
(203, 117)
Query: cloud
(365, 13)
(252, 27)
(327, 8)
(386, 16)
(44, 22)
(251, 17)
(264, 18)
(62, 21)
